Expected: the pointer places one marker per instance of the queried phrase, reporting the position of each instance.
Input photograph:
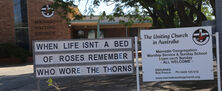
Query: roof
(93, 21)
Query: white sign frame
(113, 49)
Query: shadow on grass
(94, 83)
(27, 82)
(126, 83)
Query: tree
(66, 9)
(164, 13)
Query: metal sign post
(137, 66)
(218, 4)
(218, 62)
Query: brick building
(22, 21)
(92, 26)
(7, 33)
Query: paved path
(21, 78)
(12, 70)
(14, 77)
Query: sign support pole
(137, 66)
(218, 62)
(98, 29)
(218, 5)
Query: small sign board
(80, 45)
(84, 70)
(177, 54)
(86, 57)
(60, 58)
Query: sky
(98, 10)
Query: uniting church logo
(47, 11)
(201, 37)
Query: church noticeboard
(59, 58)
(177, 54)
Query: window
(92, 34)
(133, 32)
(81, 34)
(21, 23)
(17, 13)
(20, 13)
(101, 34)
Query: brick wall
(7, 34)
(43, 28)
(115, 32)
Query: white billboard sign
(177, 54)
(60, 58)
(84, 70)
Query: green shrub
(8, 50)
